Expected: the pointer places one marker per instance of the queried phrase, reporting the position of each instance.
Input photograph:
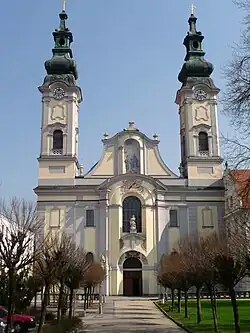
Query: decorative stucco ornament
(132, 185)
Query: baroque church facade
(129, 209)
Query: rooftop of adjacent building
(241, 179)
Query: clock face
(200, 94)
(58, 93)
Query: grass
(225, 316)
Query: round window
(195, 44)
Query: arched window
(57, 139)
(131, 206)
(89, 257)
(203, 142)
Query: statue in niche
(132, 155)
(133, 224)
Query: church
(129, 209)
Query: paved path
(123, 315)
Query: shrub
(37, 314)
(64, 326)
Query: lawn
(225, 316)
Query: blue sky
(129, 54)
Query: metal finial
(105, 136)
(192, 7)
(64, 5)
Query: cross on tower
(193, 7)
(64, 5)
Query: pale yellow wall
(145, 282)
(153, 165)
(201, 114)
(106, 166)
(115, 214)
(173, 239)
(57, 112)
(152, 282)
(54, 219)
(203, 232)
(44, 172)
(193, 172)
(89, 239)
(151, 245)
(113, 286)
(119, 282)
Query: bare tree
(75, 274)
(67, 251)
(94, 275)
(46, 267)
(210, 248)
(20, 227)
(193, 264)
(231, 265)
(164, 277)
(236, 100)
(181, 270)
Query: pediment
(132, 182)
(130, 151)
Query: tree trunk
(235, 310)
(11, 290)
(71, 297)
(213, 306)
(198, 303)
(90, 295)
(215, 299)
(179, 300)
(92, 290)
(85, 298)
(172, 297)
(185, 304)
(45, 302)
(165, 295)
(60, 300)
(35, 300)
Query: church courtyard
(123, 315)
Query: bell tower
(197, 100)
(60, 102)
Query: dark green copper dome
(195, 65)
(62, 62)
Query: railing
(57, 151)
(203, 152)
(219, 295)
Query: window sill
(174, 226)
(207, 226)
(88, 227)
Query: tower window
(131, 207)
(90, 218)
(203, 142)
(57, 139)
(173, 214)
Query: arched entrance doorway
(132, 277)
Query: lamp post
(102, 262)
